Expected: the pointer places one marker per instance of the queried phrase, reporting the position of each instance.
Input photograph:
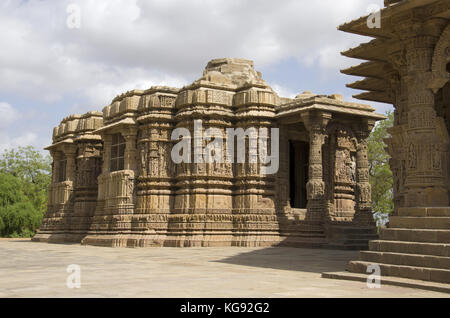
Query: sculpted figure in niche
(154, 157)
(353, 168)
(143, 156)
(435, 157)
(345, 166)
(412, 157)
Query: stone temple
(116, 184)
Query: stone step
(349, 245)
(348, 238)
(413, 272)
(437, 249)
(389, 280)
(353, 230)
(367, 237)
(438, 211)
(418, 260)
(425, 222)
(415, 235)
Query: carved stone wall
(73, 192)
(341, 147)
(419, 140)
(254, 206)
(140, 196)
(203, 196)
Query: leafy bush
(19, 220)
(10, 189)
(24, 180)
(33, 169)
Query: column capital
(69, 150)
(363, 128)
(55, 153)
(107, 138)
(316, 120)
(130, 132)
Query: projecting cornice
(381, 97)
(397, 12)
(370, 84)
(373, 69)
(404, 24)
(376, 50)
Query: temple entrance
(298, 173)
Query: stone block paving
(30, 269)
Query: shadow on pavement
(294, 259)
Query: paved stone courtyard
(29, 269)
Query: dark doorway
(298, 173)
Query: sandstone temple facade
(115, 183)
(408, 65)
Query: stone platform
(30, 269)
(415, 246)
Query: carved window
(62, 165)
(117, 152)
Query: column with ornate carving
(130, 136)
(396, 141)
(363, 214)
(107, 142)
(154, 194)
(316, 124)
(425, 179)
(70, 151)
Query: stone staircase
(350, 238)
(416, 245)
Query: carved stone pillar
(316, 124)
(283, 197)
(107, 142)
(56, 155)
(396, 142)
(70, 152)
(363, 188)
(130, 136)
(425, 180)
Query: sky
(50, 69)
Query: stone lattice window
(117, 152)
(62, 170)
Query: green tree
(381, 178)
(10, 189)
(33, 168)
(19, 220)
(24, 180)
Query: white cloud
(27, 139)
(7, 115)
(24, 140)
(128, 44)
(123, 43)
(283, 91)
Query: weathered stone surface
(120, 186)
(409, 68)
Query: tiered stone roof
(382, 50)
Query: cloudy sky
(49, 70)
